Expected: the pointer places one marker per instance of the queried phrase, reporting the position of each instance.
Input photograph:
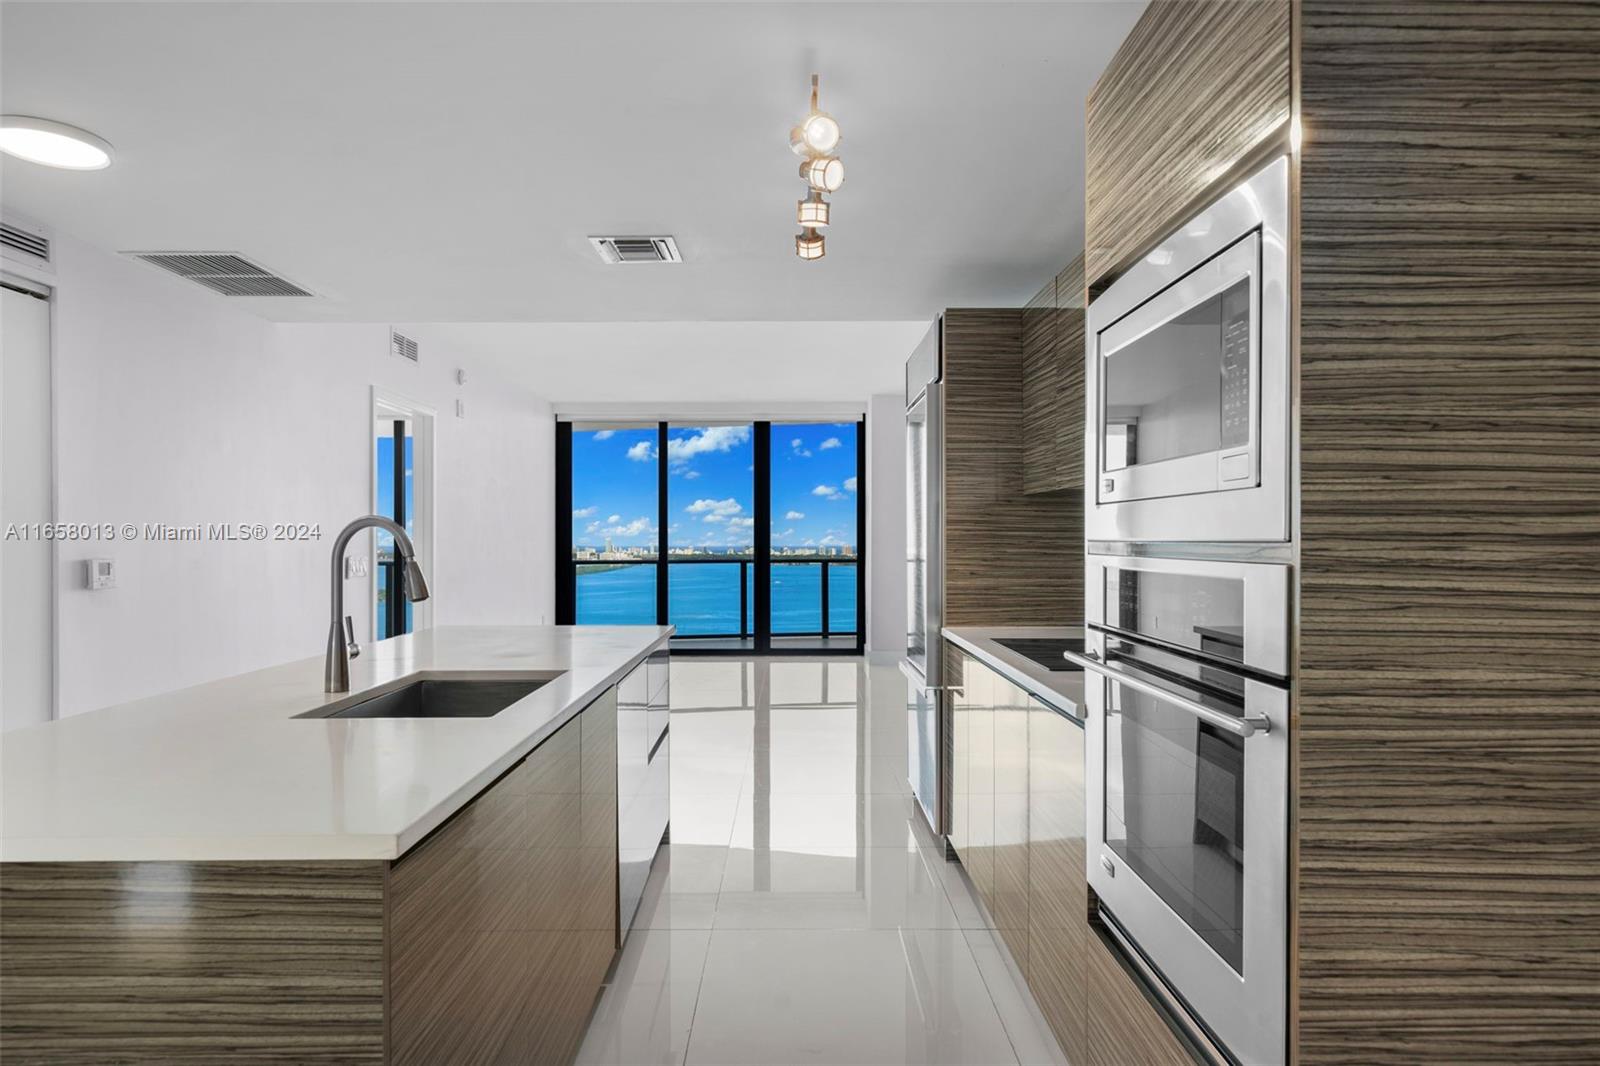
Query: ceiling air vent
(25, 243)
(403, 346)
(637, 249)
(225, 272)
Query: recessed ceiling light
(52, 144)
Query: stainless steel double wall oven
(1189, 583)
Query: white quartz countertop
(225, 771)
(1061, 689)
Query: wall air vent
(225, 272)
(637, 249)
(403, 346)
(26, 244)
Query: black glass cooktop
(1046, 651)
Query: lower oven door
(1188, 842)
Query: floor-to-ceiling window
(745, 535)
(711, 519)
(615, 518)
(816, 508)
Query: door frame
(387, 405)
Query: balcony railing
(825, 600)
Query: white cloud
(785, 535)
(690, 475)
(831, 442)
(642, 452)
(741, 523)
(715, 518)
(604, 434)
(828, 492)
(704, 441)
(583, 512)
(592, 527)
(795, 443)
(632, 529)
(614, 519)
(730, 506)
(799, 448)
(850, 484)
(794, 516)
(830, 539)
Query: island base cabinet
(191, 962)
(504, 921)
(485, 943)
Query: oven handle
(1239, 727)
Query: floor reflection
(803, 911)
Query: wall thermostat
(100, 574)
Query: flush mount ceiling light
(816, 139)
(53, 144)
(812, 211)
(809, 244)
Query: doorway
(27, 500)
(402, 490)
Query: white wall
(176, 406)
(886, 524)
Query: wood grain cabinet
(1194, 91)
(1020, 806)
(1443, 199)
(503, 922)
(486, 942)
(1122, 1026)
(1058, 892)
(1052, 385)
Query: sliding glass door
(745, 535)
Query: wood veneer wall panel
(1197, 85)
(1009, 558)
(171, 962)
(1448, 763)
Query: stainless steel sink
(436, 697)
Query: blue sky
(711, 485)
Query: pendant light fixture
(809, 244)
(815, 140)
(812, 211)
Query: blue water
(703, 598)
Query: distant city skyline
(711, 489)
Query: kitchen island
(221, 873)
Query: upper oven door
(1180, 385)
(1188, 375)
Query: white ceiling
(445, 162)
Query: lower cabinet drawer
(1124, 1027)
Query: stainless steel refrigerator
(923, 664)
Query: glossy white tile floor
(802, 913)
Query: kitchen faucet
(336, 674)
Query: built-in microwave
(1188, 380)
